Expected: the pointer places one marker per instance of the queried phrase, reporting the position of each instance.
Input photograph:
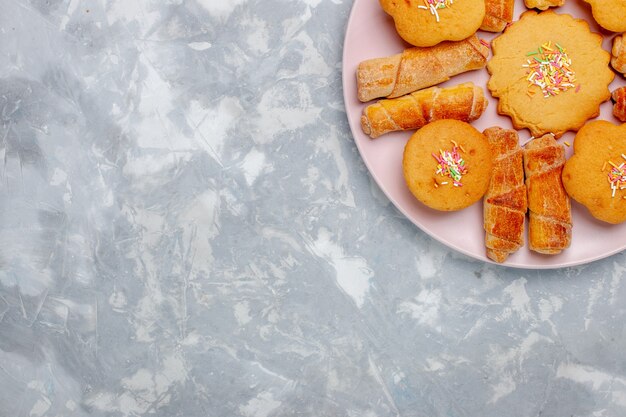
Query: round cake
(549, 73)
(447, 165)
(428, 22)
(610, 14)
(595, 175)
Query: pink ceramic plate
(370, 33)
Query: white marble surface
(187, 229)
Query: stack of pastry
(443, 33)
(449, 165)
(403, 80)
(541, 193)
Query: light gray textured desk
(188, 230)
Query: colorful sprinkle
(434, 5)
(549, 69)
(617, 176)
(567, 144)
(451, 164)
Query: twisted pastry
(497, 14)
(465, 102)
(550, 223)
(418, 68)
(505, 205)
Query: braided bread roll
(465, 102)
(618, 54)
(498, 13)
(619, 103)
(418, 68)
(504, 205)
(550, 222)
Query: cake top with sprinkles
(549, 68)
(433, 5)
(451, 164)
(617, 176)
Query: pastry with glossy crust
(464, 102)
(504, 205)
(417, 68)
(550, 216)
(498, 13)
